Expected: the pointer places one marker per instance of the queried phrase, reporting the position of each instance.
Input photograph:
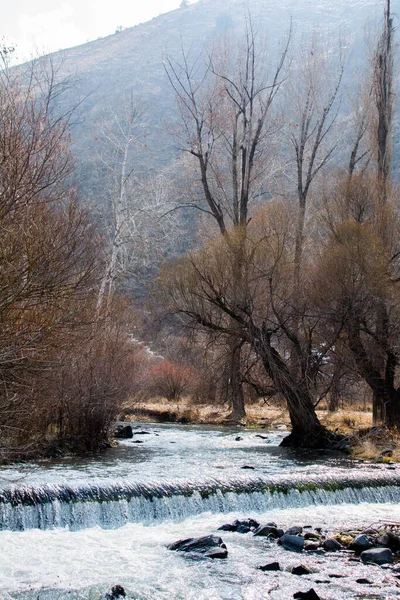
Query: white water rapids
(121, 537)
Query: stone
(274, 566)
(123, 432)
(310, 595)
(263, 437)
(238, 439)
(137, 441)
(116, 592)
(269, 531)
(141, 433)
(363, 581)
(332, 545)
(310, 535)
(247, 467)
(216, 553)
(360, 543)
(243, 526)
(200, 545)
(295, 543)
(378, 556)
(295, 530)
(301, 570)
(311, 546)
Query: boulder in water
(123, 432)
(378, 556)
(243, 526)
(360, 543)
(201, 545)
(269, 531)
(301, 570)
(217, 553)
(295, 543)
(295, 530)
(332, 545)
(310, 595)
(116, 592)
(274, 566)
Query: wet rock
(238, 439)
(263, 437)
(336, 576)
(295, 543)
(200, 545)
(141, 433)
(363, 581)
(332, 545)
(310, 535)
(137, 441)
(360, 543)
(247, 467)
(382, 540)
(390, 540)
(123, 432)
(311, 546)
(378, 556)
(116, 592)
(301, 570)
(295, 530)
(243, 526)
(310, 595)
(274, 566)
(269, 531)
(217, 553)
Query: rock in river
(292, 542)
(379, 556)
(123, 432)
(209, 545)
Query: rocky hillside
(130, 62)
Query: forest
(261, 266)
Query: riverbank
(367, 443)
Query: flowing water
(73, 528)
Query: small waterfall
(113, 504)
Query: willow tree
(226, 125)
(201, 288)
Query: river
(73, 528)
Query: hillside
(130, 62)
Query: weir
(113, 504)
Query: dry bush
(170, 380)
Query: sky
(42, 26)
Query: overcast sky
(48, 25)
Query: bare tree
(225, 105)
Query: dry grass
(344, 421)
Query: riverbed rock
(295, 530)
(360, 543)
(295, 543)
(123, 432)
(217, 553)
(243, 526)
(301, 570)
(332, 545)
(378, 556)
(238, 439)
(116, 592)
(311, 546)
(310, 535)
(310, 595)
(274, 566)
(364, 581)
(200, 545)
(141, 433)
(269, 531)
